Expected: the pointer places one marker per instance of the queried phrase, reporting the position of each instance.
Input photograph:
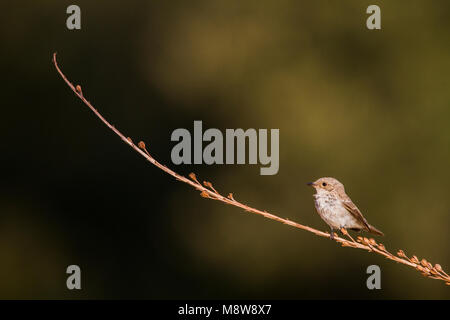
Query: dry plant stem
(208, 191)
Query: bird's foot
(331, 234)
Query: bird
(336, 208)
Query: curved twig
(208, 191)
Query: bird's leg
(331, 233)
(345, 233)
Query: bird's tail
(374, 230)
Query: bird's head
(326, 184)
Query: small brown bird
(336, 208)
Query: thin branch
(208, 191)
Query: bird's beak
(310, 184)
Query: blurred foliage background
(371, 108)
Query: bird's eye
(324, 184)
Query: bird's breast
(331, 210)
(326, 202)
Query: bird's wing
(353, 209)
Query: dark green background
(371, 108)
